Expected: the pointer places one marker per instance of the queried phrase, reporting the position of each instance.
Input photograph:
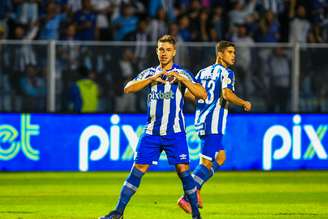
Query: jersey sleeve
(144, 74)
(228, 79)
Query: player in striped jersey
(211, 114)
(165, 130)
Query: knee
(141, 167)
(206, 163)
(182, 168)
(221, 157)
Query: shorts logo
(183, 156)
(160, 95)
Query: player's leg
(207, 167)
(219, 160)
(210, 146)
(211, 151)
(128, 189)
(176, 149)
(131, 185)
(189, 188)
(148, 152)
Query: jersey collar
(173, 67)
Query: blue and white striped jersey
(165, 103)
(211, 114)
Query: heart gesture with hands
(175, 76)
(158, 77)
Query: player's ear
(219, 55)
(174, 51)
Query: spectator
(184, 30)
(127, 67)
(299, 26)
(69, 52)
(22, 55)
(104, 11)
(240, 12)
(193, 14)
(174, 31)
(158, 25)
(203, 28)
(86, 20)
(244, 57)
(315, 34)
(140, 37)
(182, 52)
(69, 32)
(126, 103)
(29, 12)
(276, 6)
(5, 12)
(50, 23)
(34, 90)
(280, 80)
(85, 92)
(168, 5)
(218, 24)
(124, 24)
(269, 28)
(73, 5)
(139, 8)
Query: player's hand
(157, 78)
(247, 106)
(175, 76)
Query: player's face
(228, 55)
(165, 52)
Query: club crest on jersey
(160, 95)
(170, 79)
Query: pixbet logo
(11, 144)
(292, 142)
(160, 95)
(105, 141)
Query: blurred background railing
(46, 76)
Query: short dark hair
(167, 39)
(222, 45)
(83, 71)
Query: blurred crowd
(91, 77)
(189, 20)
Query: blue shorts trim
(211, 144)
(150, 147)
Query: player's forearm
(195, 89)
(135, 86)
(190, 97)
(230, 96)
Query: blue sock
(130, 186)
(215, 166)
(201, 174)
(189, 187)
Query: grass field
(235, 195)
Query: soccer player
(211, 115)
(165, 130)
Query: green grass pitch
(237, 195)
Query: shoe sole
(184, 205)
